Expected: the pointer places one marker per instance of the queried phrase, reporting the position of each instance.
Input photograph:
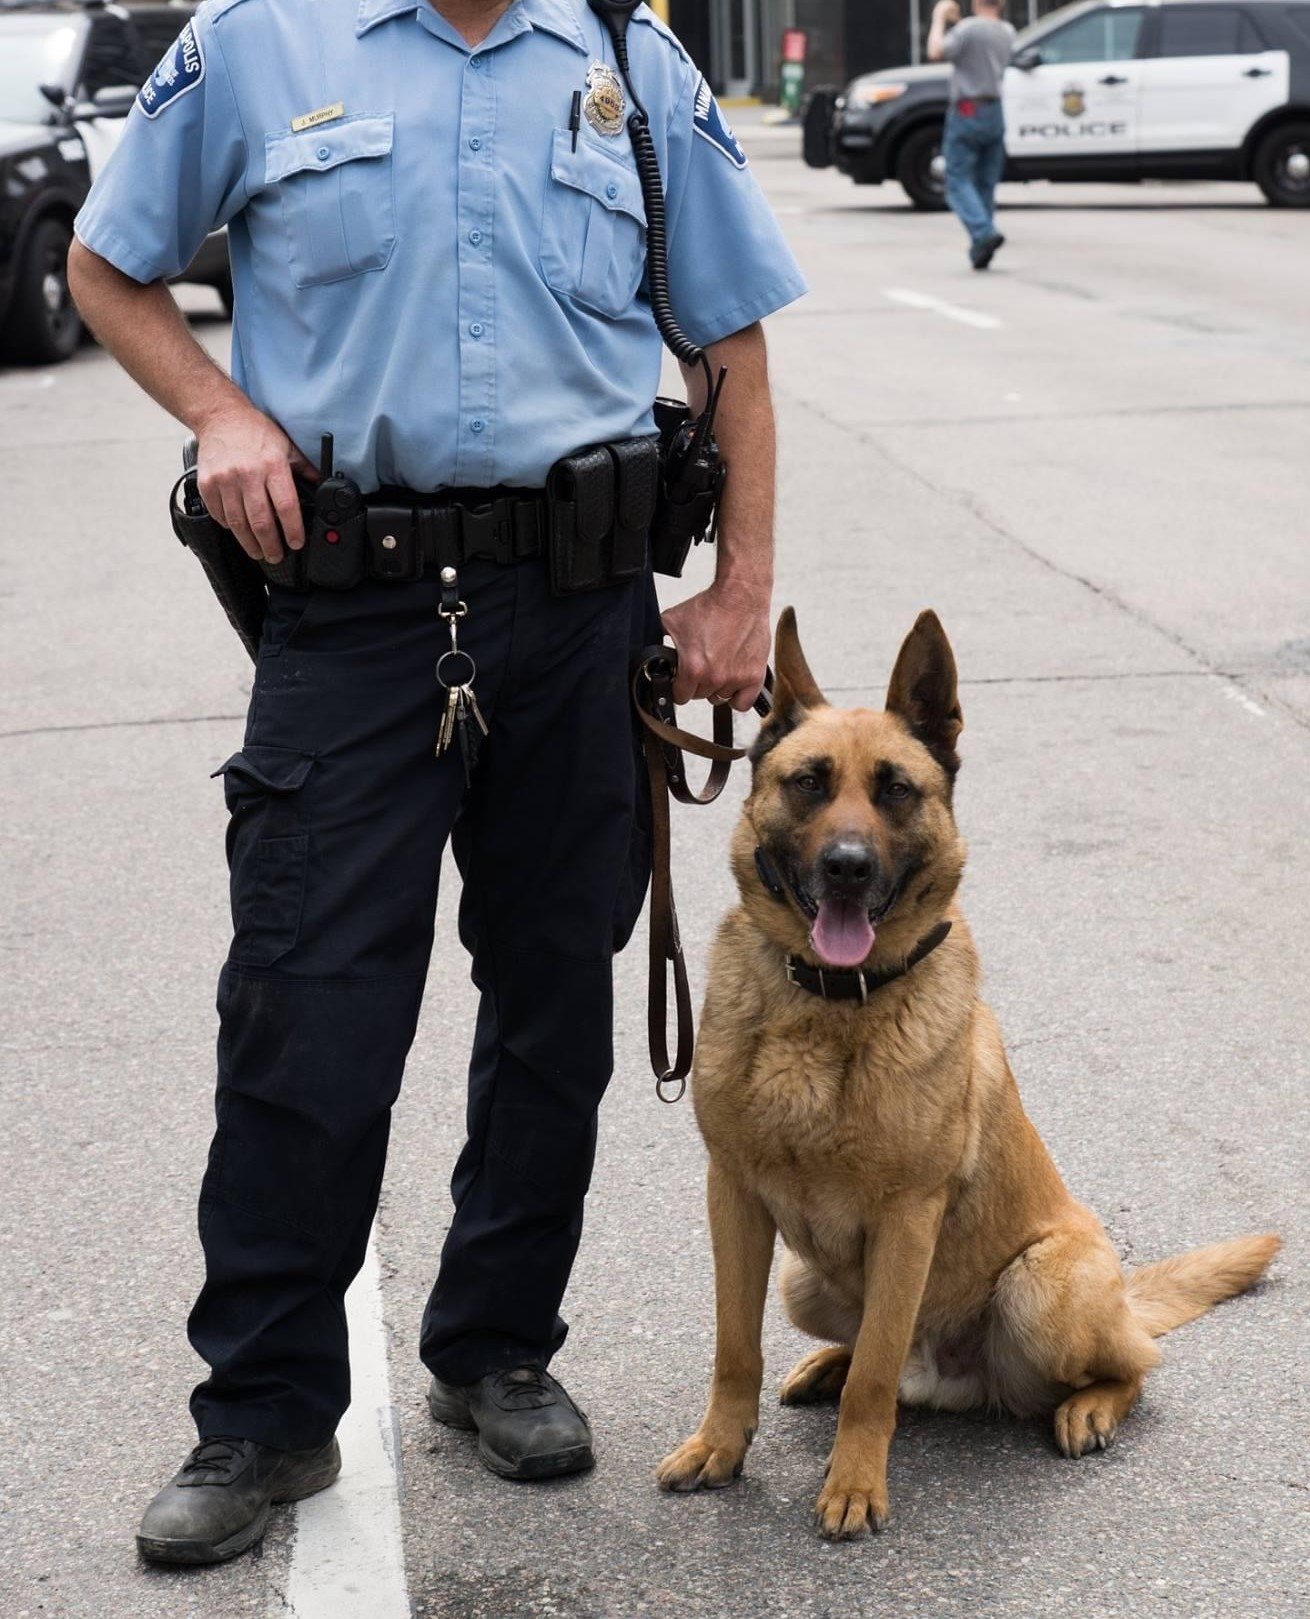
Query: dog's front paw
(844, 1512)
(699, 1465)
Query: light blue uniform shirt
(429, 270)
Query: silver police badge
(604, 106)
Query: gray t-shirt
(979, 51)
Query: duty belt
(410, 535)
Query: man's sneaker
(982, 253)
(216, 1505)
(527, 1426)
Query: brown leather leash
(664, 745)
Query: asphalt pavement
(1092, 462)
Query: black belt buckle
(485, 531)
(394, 552)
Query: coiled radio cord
(675, 339)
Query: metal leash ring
(671, 1079)
(463, 659)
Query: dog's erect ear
(923, 690)
(794, 687)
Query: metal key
(456, 672)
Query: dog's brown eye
(807, 783)
(896, 790)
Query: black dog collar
(857, 983)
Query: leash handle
(664, 745)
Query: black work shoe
(527, 1426)
(216, 1505)
(982, 253)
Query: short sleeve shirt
(428, 261)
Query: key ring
(463, 658)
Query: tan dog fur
(929, 1237)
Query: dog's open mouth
(842, 934)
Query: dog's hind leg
(816, 1377)
(1063, 1331)
(813, 1306)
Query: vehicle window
(1100, 36)
(158, 27)
(1299, 18)
(36, 51)
(112, 56)
(1207, 31)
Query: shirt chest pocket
(593, 232)
(337, 196)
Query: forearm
(746, 433)
(145, 331)
(245, 460)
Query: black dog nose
(847, 865)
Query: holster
(236, 579)
(601, 504)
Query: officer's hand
(244, 476)
(948, 10)
(722, 637)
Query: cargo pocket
(267, 851)
(338, 206)
(593, 234)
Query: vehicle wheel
(224, 290)
(1282, 166)
(44, 325)
(816, 128)
(921, 169)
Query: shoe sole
(452, 1411)
(196, 1552)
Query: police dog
(929, 1238)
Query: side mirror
(1027, 60)
(113, 101)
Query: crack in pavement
(971, 504)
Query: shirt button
(477, 424)
(475, 236)
(323, 154)
(475, 144)
(611, 191)
(477, 329)
(475, 61)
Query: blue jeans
(974, 150)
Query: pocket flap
(276, 770)
(364, 135)
(607, 179)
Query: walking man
(438, 251)
(979, 51)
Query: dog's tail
(1174, 1291)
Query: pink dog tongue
(842, 933)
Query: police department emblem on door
(604, 106)
(1073, 103)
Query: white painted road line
(939, 306)
(1236, 695)
(348, 1560)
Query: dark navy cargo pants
(340, 813)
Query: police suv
(69, 73)
(1104, 90)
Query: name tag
(321, 115)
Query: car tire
(44, 326)
(1282, 166)
(919, 168)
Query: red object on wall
(793, 44)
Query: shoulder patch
(711, 127)
(182, 69)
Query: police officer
(437, 240)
